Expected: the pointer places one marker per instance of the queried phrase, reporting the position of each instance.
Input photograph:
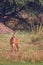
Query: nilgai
(14, 43)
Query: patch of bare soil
(4, 29)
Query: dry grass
(30, 47)
(22, 55)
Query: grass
(29, 45)
(21, 63)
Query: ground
(30, 49)
(4, 29)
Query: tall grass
(37, 33)
(28, 51)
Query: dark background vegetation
(21, 14)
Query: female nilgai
(14, 43)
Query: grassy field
(30, 49)
(20, 63)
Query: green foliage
(41, 1)
(23, 1)
(14, 4)
(8, 7)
